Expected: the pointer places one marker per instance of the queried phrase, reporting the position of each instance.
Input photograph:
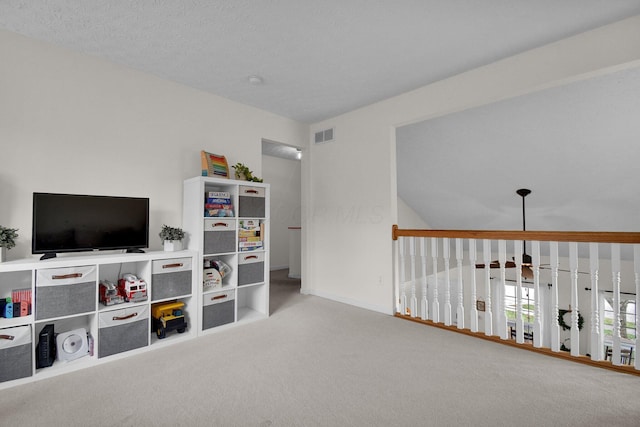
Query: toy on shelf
(168, 316)
(109, 293)
(132, 289)
(214, 272)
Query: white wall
(285, 179)
(77, 124)
(409, 218)
(349, 194)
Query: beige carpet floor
(316, 362)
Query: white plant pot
(3, 254)
(172, 245)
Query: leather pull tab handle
(125, 317)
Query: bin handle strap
(176, 265)
(125, 317)
(251, 257)
(7, 337)
(218, 297)
(66, 276)
(220, 224)
(251, 191)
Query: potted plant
(172, 238)
(244, 173)
(8, 238)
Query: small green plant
(171, 233)
(243, 172)
(8, 237)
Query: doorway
(281, 168)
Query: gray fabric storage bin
(218, 309)
(65, 291)
(15, 353)
(219, 236)
(123, 330)
(251, 201)
(171, 278)
(250, 268)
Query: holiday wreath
(562, 323)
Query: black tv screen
(74, 223)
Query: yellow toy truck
(168, 316)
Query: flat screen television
(75, 223)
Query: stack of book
(250, 235)
(218, 204)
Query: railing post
(615, 276)
(424, 305)
(402, 272)
(435, 311)
(474, 296)
(555, 325)
(636, 269)
(412, 262)
(517, 244)
(575, 332)
(537, 325)
(447, 282)
(596, 338)
(460, 310)
(488, 318)
(501, 309)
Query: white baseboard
(350, 301)
(278, 267)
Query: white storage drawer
(123, 330)
(171, 278)
(250, 268)
(65, 291)
(218, 309)
(15, 353)
(251, 202)
(219, 236)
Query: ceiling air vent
(324, 136)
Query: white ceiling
(317, 58)
(577, 147)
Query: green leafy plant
(8, 237)
(171, 233)
(243, 172)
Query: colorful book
(218, 200)
(218, 194)
(250, 239)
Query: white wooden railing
(463, 294)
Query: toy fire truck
(109, 293)
(132, 289)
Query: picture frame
(214, 165)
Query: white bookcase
(218, 235)
(65, 294)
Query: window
(527, 300)
(627, 317)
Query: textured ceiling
(317, 59)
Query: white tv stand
(65, 293)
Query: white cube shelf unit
(227, 222)
(65, 293)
